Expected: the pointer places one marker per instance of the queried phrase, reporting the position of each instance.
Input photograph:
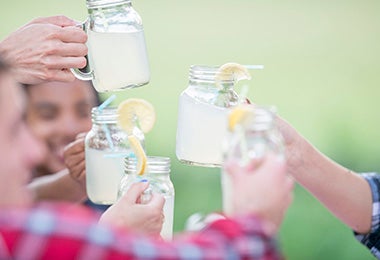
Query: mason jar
(117, 54)
(202, 117)
(247, 142)
(106, 146)
(157, 173)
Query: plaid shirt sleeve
(372, 239)
(70, 232)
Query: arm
(58, 186)
(45, 49)
(68, 184)
(343, 192)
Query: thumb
(157, 200)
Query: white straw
(254, 67)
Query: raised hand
(45, 49)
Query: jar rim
(261, 117)
(106, 115)
(104, 3)
(209, 73)
(154, 165)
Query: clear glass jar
(157, 173)
(117, 54)
(202, 117)
(251, 141)
(106, 146)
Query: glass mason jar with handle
(248, 143)
(106, 146)
(117, 55)
(157, 172)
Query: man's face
(57, 112)
(20, 151)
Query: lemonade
(106, 145)
(252, 134)
(135, 112)
(118, 60)
(167, 226)
(104, 171)
(157, 173)
(201, 129)
(202, 112)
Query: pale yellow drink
(118, 60)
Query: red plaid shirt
(71, 232)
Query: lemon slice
(139, 153)
(240, 115)
(232, 71)
(136, 112)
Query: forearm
(58, 186)
(343, 192)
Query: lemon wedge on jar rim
(232, 71)
(240, 115)
(139, 152)
(136, 112)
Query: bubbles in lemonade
(104, 172)
(200, 131)
(119, 60)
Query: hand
(45, 49)
(295, 146)
(74, 156)
(128, 213)
(262, 188)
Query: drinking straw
(119, 155)
(254, 67)
(104, 127)
(106, 103)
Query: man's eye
(84, 111)
(47, 115)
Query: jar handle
(80, 73)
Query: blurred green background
(321, 71)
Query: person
(51, 231)
(45, 49)
(57, 122)
(352, 197)
(56, 113)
